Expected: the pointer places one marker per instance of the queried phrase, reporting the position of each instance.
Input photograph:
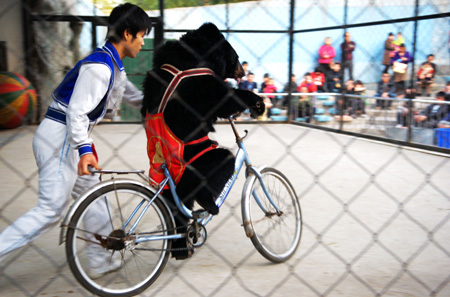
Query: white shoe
(98, 272)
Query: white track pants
(57, 162)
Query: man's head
(293, 78)
(347, 36)
(250, 77)
(127, 19)
(385, 77)
(430, 58)
(391, 36)
(328, 41)
(245, 65)
(349, 84)
(440, 96)
(308, 77)
(337, 67)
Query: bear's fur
(196, 105)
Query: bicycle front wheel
(276, 235)
(102, 252)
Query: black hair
(440, 94)
(307, 73)
(358, 82)
(266, 75)
(245, 62)
(124, 17)
(250, 73)
(430, 55)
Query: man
(385, 89)
(62, 146)
(347, 48)
(249, 84)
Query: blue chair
(328, 103)
(300, 119)
(278, 118)
(322, 118)
(332, 110)
(319, 110)
(275, 111)
(322, 97)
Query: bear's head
(203, 47)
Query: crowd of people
(336, 76)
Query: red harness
(162, 145)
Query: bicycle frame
(241, 159)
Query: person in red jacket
(308, 83)
(319, 80)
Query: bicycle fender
(245, 202)
(65, 223)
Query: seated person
(249, 84)
(319, 80)
(403, 118)
(292, 88)
(433, 114)
(358, 104)
(425, 78)
(385, 89)
(308, 83)
(334, 83)
(269, 100)
(305, 108)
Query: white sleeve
(90, 88)
(132, 96)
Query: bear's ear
(210, 31)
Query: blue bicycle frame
(241, 158)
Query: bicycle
(136, 240)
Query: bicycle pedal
(200, 214)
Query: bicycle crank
(196, 234)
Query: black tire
(276, 237)
(97, 216)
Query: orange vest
(162, 145)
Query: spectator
(399, 40)
(425, 78)
(305, 109)
(326, 56)
(249, 84)
(334, 83)
(388, 49)
(403, 118)
(246, 71)
(347, 48)
(358, 103)
(430, 59)
(447, 88)
(270, 100)
(289, 88)
(319, 80)
(308, 83)
(385, 89)
(433, 113)
(264, 83)
(400, 64)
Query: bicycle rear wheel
(276, 236)
(100, 250)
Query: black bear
(184, 95)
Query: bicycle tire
(276, 237)
(136, 269)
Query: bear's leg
(179, 246)
(204, 179)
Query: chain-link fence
(375, 214)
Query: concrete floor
(376, 219)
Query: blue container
(443, 137)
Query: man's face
(385, 77)
(337, 67)
(250, 77)
(440, 98)
(133, 44)
(328, 41)
(430, 59)
(347, 37)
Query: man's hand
(85, 161)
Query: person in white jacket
(62, 145)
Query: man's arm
(90, 88)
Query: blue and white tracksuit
(95, 85)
